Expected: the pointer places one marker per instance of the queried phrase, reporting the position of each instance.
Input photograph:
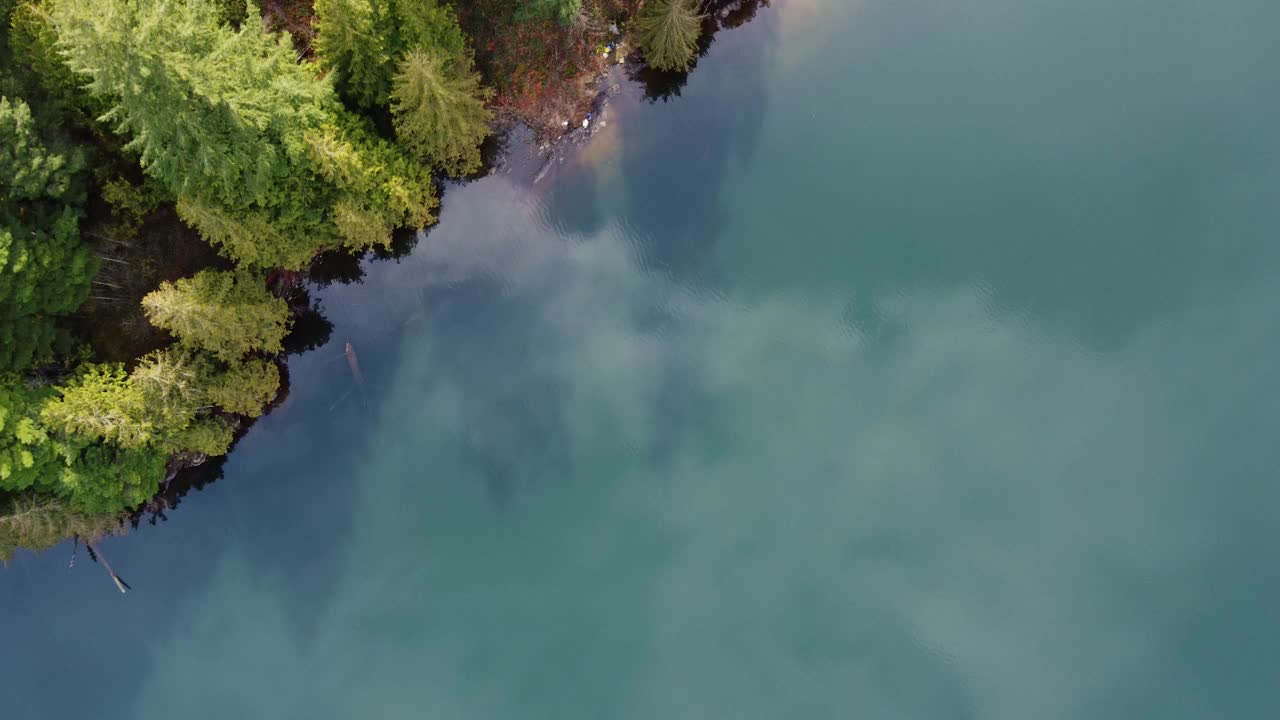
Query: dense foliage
(45, 269)
(252, 148)
(226, 314)
(439, 110)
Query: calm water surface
(918, 361)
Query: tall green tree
(349, 45)
(227, 314)
(243, 388)
(439, 108)
(668, 31)
(40, 453)
(210, 109)
(27, 456)
(30, 168)
(45, 269)
(100, 404)
(223, 117)
(361, 41)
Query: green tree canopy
(27, 457)
(45, 269)
(212, 110)
(244, 388)
(37, 456)
(30, 168)
(43, 272)
(361, 41)
(226, 120)
(227, 314)
(439, 109)
(668, 31)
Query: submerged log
(98, 557)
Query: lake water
(918, 360)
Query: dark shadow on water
(310, 329)
(343, 267)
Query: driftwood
(98, 557)
(354, 363)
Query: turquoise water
(917, 361)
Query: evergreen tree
(211, 110)
(362, 41)
(39, 454)
(225, 313)
(379, 187)
(27, 457)
(42, 273)
(45, 269)
(668, 31)
(244, 388)
(31, 169)
(349, 46)
(223, 117)
(439, 110)
(40, 75)
(101, 404)
(103, 478)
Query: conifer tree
(243, 388)
(211, 110)
(27, 457)
(227, 314)
(101, 404)
(668, 31)
(362, 41)
(222, 118)
(30, 169)
(349, 45)
(439, 110)
(45, 269)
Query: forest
(171, 169)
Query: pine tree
(45, 269)
(101, 404)
(211, 110)
(243, 388)
(227, 314)
(349, 45)
(103, 478)
(668, 31)
(361, 42)
(30, 169)
(27, 457)
(222, 118)
(439, 110)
